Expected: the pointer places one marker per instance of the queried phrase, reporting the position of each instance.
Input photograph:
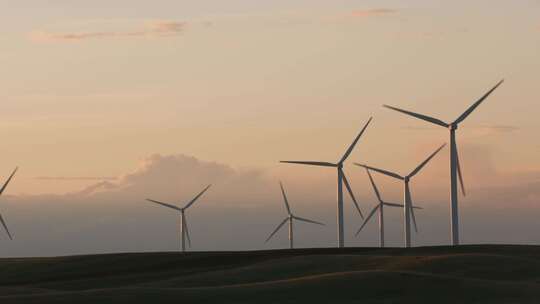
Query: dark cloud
(244, 205)
(114, 216)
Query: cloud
(501, 128)
(373, 12)
(167, 27)
(95, 188)
(409, 127)
(479, 130)
(486, 130)
(74, 178)
(172, 175)
(179, 177)
(152, 29)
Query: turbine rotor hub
(453, 126)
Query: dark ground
(465, 274)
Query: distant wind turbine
(2, 191)
(407, 201)
(183, 222)
(455, 168)
(380, 208)
(289, 219)
(342, 178)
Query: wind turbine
(290, 219)
(341, 179)
(407, 201)
(379, 207)
(2, 191)
(455, 168)
(183, 223)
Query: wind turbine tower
(290, 218)
(379, 207)
(455, 168)
(341, 179)
(184, 232)
(408, 210)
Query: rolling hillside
(465, 274)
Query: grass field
(465, 274)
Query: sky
(105, 103)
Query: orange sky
(90, 91)
(93, 94)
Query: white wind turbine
(380, 208)
(455, 168)
(407, 201)
(183, 223)
(341, 179)
(2, 191)
(290, 219)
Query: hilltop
(464, 274)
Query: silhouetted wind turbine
(341, 179)
(380, 208)
(407, 201)
(183, 222)
(2, 191)
(290, 219)
(455, 168)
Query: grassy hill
(465, 274)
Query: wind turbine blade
(351, 147)
(307, 220)
(285, 198)
(419, 116)
(374, 186)
(197, 197)
(392, 174)
(414, 220)
(476, 104)
(459, 171)
(184, 222)
(426, 161)
(164, 204)
(393, 204)
(367, 219)
(8, 180)
(5, 227)
(349, 189)
(276, 230)
(312, 163)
